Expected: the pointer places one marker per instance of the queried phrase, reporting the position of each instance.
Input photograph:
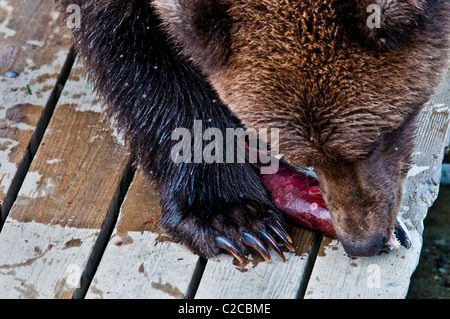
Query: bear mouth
(399, 237)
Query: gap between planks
(36, 138)
(43, 208)
(312, 256)
(106, 231)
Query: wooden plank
(33, 45)
(257, 278)
(139, 261)
(52, 229)
(336, 275)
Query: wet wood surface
(79, 222)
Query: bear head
(343, 80)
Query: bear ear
(387, 23)
(200, 27)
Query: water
(431, 279)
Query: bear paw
(231, 228)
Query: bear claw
(258, 243)
(269, 239)
(283, 235)
(229, 246)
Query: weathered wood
(68, 196)
(33, 46)
(257, 278)
(132, 251)
(336, 275)
(51, 231)
(139, 261)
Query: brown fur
(344, 96)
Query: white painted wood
(44, 252)
(42, 261)
(139, 261)
(143, 268)
(52, 228)
(336, 275)
(258, 279)
(36, 51)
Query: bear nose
(365, 248)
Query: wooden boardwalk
(79, 222)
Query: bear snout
(363, 204)
(364, 248)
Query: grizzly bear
(342, 80)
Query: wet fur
(344, 96)
(151, 91)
